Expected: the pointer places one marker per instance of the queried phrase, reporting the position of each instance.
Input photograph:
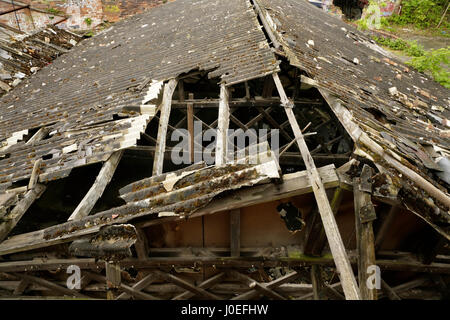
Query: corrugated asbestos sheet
(173, 194)
(406, 112)
(22, 54)
(100, 77)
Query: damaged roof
(83, 91)
(401, 109)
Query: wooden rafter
(158, 161)
(187, 286)
(364, 215)
(222, 128)
(139, 286)
(235, 232)
(253, 284)
(19, 210)
(269, 286)
(52, 286)
(95, 192)
(204, 285)
(331, 229)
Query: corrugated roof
(350, 66)
(98, 78)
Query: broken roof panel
(169, 195)
(399, 108)
(104, 75)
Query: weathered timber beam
(222, 127)
(139, 286)
(95, 192)
(186, 285)
(35, 174)
(166, 103)
(21, 287)
(113, 279)
(241, 103)
(390, 293)
(364, 215)
(190, 126)
(11, 220)
(204, 285)
(38, 136)
(271, 285)
(337, 247)
(221, 262)
(50, 285)
(317, 282)
(235, 232)
(263, 289)
(129, 290)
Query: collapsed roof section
(22, 54)
(92, 104)
(397, 117)
(116, 71)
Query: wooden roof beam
(337, 247)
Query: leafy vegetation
(88, 21)
(55, 12)
(421, 13)
(411, 48)
(437, 62)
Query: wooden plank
(364, 240)
(50, 285)
(127, 289)
(317, 282)
(19, 210)
(35, 174)
(204, 285)
(271, 285)
(391, 294)
(137, 287)
(410, 265)
(235, 232)
(95, 192)
(337, 247)
(186, 285)
(158, 161)
(253, 284)
(222, 127)
(38, 136)
(21, 287)
(190, 125)
(113, 279)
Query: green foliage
(420, 13)
(362, 24)
(411, 48)
(437, 62)
(394, 44)
(414, 49)
(55, 12)
(88, 21)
